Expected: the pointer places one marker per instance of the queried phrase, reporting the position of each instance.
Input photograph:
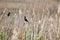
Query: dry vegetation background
(43, 17)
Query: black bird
(26, 19)
(8, 14)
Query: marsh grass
(3, 35)
(42, 26)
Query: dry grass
(43, 20)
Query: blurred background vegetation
(43, 20)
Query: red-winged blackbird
(8, 14)
(25, 19)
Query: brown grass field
(43, 20)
